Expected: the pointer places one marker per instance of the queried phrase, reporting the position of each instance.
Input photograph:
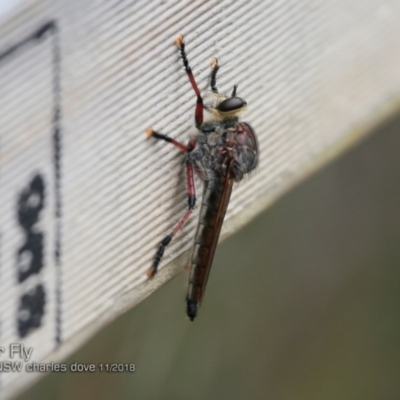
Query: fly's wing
(213, 209)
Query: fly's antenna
(235, 86)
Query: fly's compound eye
(232, 104)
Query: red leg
(191, 203)
(199, 105)
(179, 145)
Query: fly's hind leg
(191, 193)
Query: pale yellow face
(227, 107)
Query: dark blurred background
(303, 303)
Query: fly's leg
(213, 77)
(156, 135)
(166, 241)
(199, 104)
(191, 199)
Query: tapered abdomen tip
(191, 309)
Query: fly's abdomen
(215, 201)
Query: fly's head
(230, 107)
(226, 108)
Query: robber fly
(222, 151)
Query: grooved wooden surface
(79, 84)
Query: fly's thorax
(219, 143)
(207, 159)
(245, 151)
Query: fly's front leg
(213, 77)
(191, 201)
(199, 104)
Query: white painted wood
(94, 75)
